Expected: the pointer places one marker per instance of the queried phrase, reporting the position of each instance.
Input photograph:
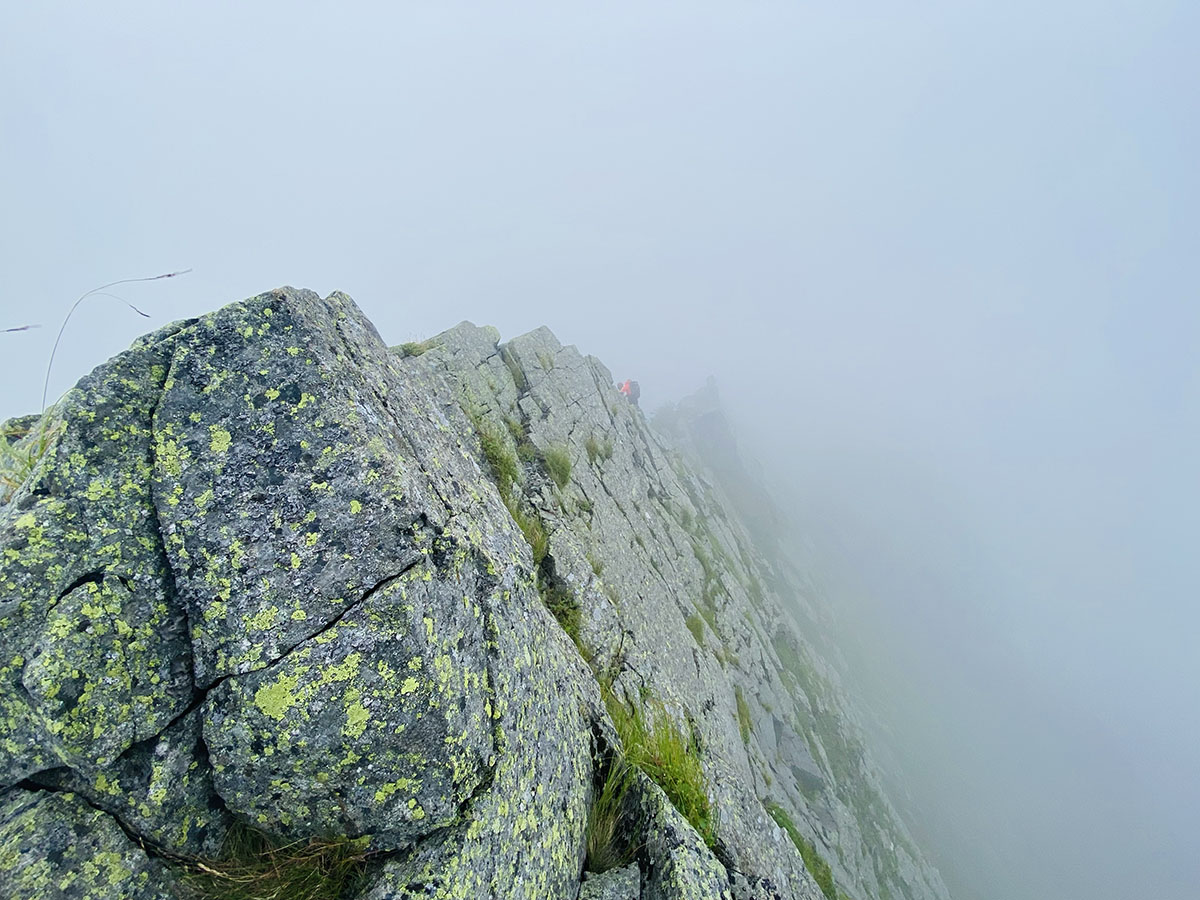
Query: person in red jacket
(631, 389)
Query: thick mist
(939, 258)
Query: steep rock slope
(847, 811)
(686, 593)
(259, 571)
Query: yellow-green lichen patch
(263, 619)
(56, 845)
(220, 439)
(100, 675)
(170, 456)
(99, 488)
(356, 717)
(519, 841)
(356, 705)
(277, 698)
(402, 785)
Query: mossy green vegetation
(505, 468)
(840, 747)
(598, 449)
(684, 515)
(743, 713)
(558, 464)
(755, 589)
(596, 563)
(563, 605)
(657, 746)
(797, 670)
(704, 557)
(608, 845)
(816, 865)
(526, 452)
(416, 348)
(531, 526)
(711, 583)
(256, 866)
(558, 598)
(695, 625)
(22, 443)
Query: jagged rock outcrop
(263, 571)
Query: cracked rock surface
(263, 574)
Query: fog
(940, 258)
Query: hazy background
(940, 256)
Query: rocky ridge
(262, 572)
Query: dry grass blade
(254, 866)
(101, 291)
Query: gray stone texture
(263, 573)
(56, 847)
(615, 884)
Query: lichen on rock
(263, 575)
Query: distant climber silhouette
(632, 391)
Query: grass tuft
(817, 867)
(659, 748)
(255, 866)
(531, 526)
(558, 464)
(505, 468)
(685, 518)
(597, 449)
(525, 449)
(507, 472)
(563, 605)
(607, 843)
(416, 348)
(706, 561)
(695, 625)
(22, 444)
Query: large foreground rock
(265, 575)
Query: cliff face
(453, 606)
